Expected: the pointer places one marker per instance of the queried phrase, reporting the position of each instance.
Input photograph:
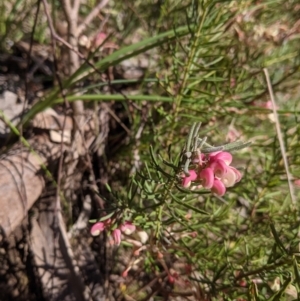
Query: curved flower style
(199, 159)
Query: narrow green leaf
(277, 239)
(296, 272)
(187, 205)
(153, 156)
(104, 218)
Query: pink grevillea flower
(116, 234)
(206, 176)
(186, 181)
(218, 187)
(97, 228)
(214, 172)
(127, 228)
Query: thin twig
(136, 157)
(26, 95)
(65, 243)
(56, 36)
(71, 14)
(53, 43)
(91, 16)
(76, 6)
(280, 138)
(67, 5)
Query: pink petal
(237, 173)
(116, 234)
(219, 167)
(224, 156)
(127, 228)
(186, 181)
(229, 179)
(207, 177)
(97, 228)
(218, 188)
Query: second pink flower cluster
(126, 228)
(213, 172)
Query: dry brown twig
(280, 139)
(71, 14)
(74, 31)
(93, 14)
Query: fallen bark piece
(22, 180)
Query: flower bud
(218, 188)
(116, 234)
(186, 181)
(207, 177)
(97, 228)
(127, 228)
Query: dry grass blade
(280, 139)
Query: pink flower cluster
(126, 228)
(213, 172)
